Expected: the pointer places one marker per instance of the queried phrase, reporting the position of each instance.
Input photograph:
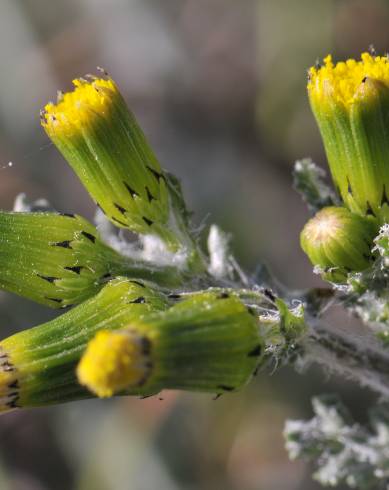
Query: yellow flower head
(350, 101)
(100, 138)
(114, 361)
(78, 108)
(344, 80)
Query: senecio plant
(150, 309)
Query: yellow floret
(77, 108)
(342, 80)
(113, 361)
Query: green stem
(164, 276)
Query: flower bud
(130, 342)
(101, 140)
(335, 237)
(60, 260)
(350, 101)
(208, 342)
(38, 366)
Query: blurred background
(219, 88)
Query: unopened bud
(100, 138)
(208, 342)
(335, 237)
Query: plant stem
(363, 361)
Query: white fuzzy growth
(106, 228)
(332, 422)
(219, 254)
(343, 450)
(317, 174)
(20, 203)
(154, 250)
(310, 181)
(148, 248)
(382, 246)
(382, 241)
(23, 205)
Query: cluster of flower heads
(350, 101)
(139, 322)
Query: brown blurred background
(219, 88)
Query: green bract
(60, 260)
